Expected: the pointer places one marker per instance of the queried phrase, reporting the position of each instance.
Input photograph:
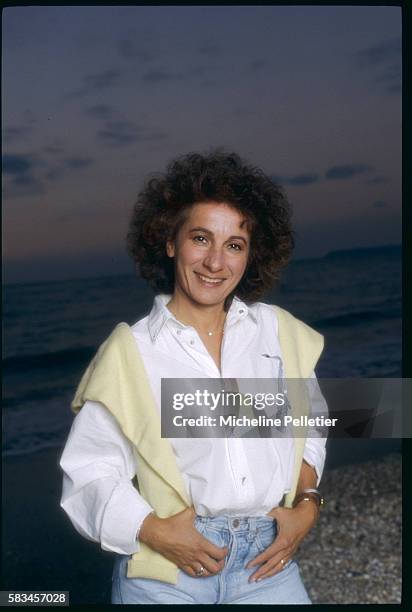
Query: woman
(210, 520)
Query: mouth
(208, 281)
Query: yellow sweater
(116, 378)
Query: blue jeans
(246, 537)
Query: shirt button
(241, 311)
(235, 523)
(179, 331)
(192, 342)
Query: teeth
(210, 280)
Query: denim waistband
(236, 523)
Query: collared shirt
(234, 476)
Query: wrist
(148, 527)
(309, 495)
(307, 507)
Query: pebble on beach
(354, 553)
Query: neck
(204, 317)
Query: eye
(235, 246)
(200, 239)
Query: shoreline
(342, 451)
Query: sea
(52, 330)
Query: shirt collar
(160, 314)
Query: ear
(170, 248)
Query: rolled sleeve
(315, 456)
(315, 446)
(122, 518)
(98, 494)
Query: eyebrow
(204, 229)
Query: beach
(52, 330)
(353, 555)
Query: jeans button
(235, 523)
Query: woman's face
(211, 252)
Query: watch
(310, 495)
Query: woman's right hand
(177, 539)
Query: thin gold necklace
(209, 333)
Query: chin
(208, 300)
(208, 297)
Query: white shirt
(235, 476)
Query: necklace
(209, 333)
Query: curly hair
(163, 204)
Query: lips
(209, 281)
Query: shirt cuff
(123, 516)
(315, 457)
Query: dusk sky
(96, 98)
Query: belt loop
(252, 529)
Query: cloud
(379, 54)
(76, 93)
(384, 61)
(393, 89)
(53, 149)
(55, 173)
(377, 180)
(210, 49)
(76, 163)
(102, 80)
(347, 171)
(27, 174)
(17, 165)
(391, 78)
(99, 81)
(297, 180)
(257, 65)
(24, 179)
(18, 169)
(124, 133)
(197, 72)
(133, 49)
(15, 133)
(119, 133)
(194, 72)
(159, 75)
(99, 111)
(379, 204)
(156, 76)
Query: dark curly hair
(219, 176)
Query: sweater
(116, 378)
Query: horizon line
(130, 274)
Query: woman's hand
(293, 525)
(177, 539)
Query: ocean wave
(357, 318)
(33, 447)
(70, 356)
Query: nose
(214, 259)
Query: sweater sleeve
(315, 446)
(98, 494)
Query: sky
(95, 99)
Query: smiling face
(211, 252)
